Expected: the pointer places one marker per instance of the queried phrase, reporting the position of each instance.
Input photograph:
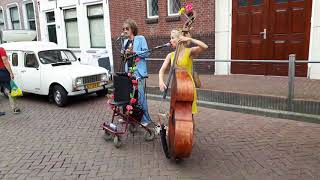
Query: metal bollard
(291, 76)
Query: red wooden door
(283, 28)
(289, 26)
(248, 21)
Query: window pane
(70, 14)
(72, 34)
(281, 1)
(242, 2)
(14, 59)
(14, 14)
(97, 33)
(16, 25)
(30, 11)
(52, 33)
(257, 2)
(31, 61)
(50, 17)
(174, 6)
(32, 25)
(95, 10)
(1, 17)
(153, 7)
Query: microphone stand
(144, 52)
(122, 53)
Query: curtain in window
(1, 20)
(96, 26)
(174, 6)
(153, 8)
(71, 23)
(30, 16)
(30, 11)
(72, 34)
(97, 32)
(14, 18)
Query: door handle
(264, 33)
(23, 71)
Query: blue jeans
(142, 100)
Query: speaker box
(122, 87)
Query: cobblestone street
(47, 142)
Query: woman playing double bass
(185, 59)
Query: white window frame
(148, 10)
(25, 14)
(50, 23)
(11, 5)
(4, 20)
(169, 14)
(65, 28)
(88, 24)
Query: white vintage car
(45, 69)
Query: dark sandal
(16, 110)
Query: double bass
(179, 142)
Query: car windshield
(56, 56)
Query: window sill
(152, 20)
(173, 18)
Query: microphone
(161, 46)
(121, 36)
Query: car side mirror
(79, 59)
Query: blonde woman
(185, 59)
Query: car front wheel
(60, 96)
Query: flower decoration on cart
(133, 103)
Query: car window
(56, 56)
(31, 61)
(14, 59)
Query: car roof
(34, 46)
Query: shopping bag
(15, 90)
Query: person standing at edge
(185, 59)
(6, 76)
(137, 44)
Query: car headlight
(79, 82)
(104, 77)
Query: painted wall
(6, 4)
(314, 55)
(85, 51)
(157, 31)
(223, 26)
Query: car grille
(91, 79)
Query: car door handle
(23, 71)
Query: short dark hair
(132, 25)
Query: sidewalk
(262, 95)
(305, 89)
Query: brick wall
(3, 6)
(158, 32)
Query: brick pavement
(257, 85)
(47, 142)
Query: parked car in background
(46, 69)
(17, 35)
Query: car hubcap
(57, 97)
